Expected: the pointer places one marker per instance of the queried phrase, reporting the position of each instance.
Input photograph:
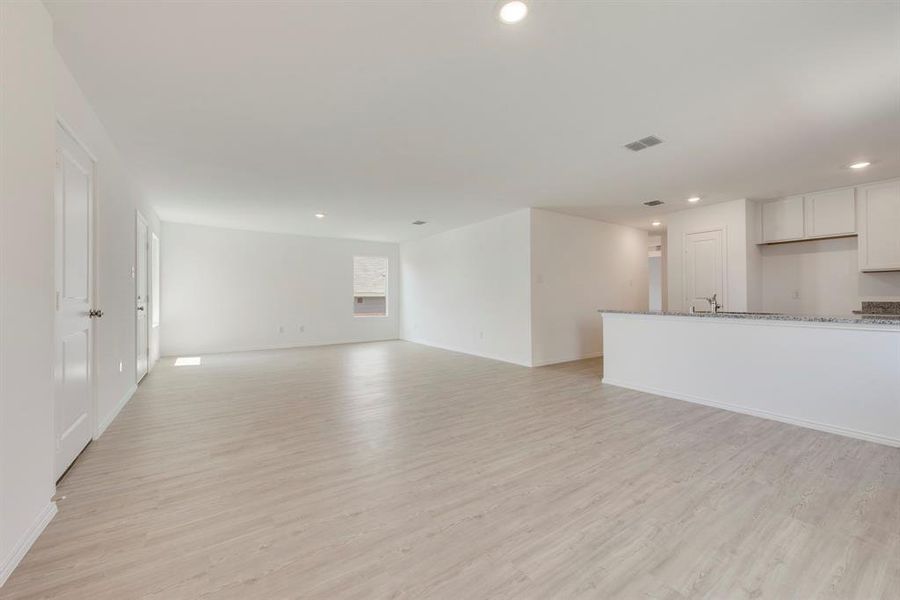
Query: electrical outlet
(796, 295)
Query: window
(370, 286)
(154, 280)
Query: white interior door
(141, 286)
(704, 270)
(73, 401)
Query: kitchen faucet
(713, 304)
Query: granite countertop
(845, 319)
(879, 308)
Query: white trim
(764, 414)
(558, 361)
(71, 131)
(286, 346)
(101, 426)
(26, 541)
(140, 221)
(153, 294)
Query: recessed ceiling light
(512, 12)
(860, 165)
(694, 199)
(656, 223)
(320, 215)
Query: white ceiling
(255, 115)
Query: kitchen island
(838, 374)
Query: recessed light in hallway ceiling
(512, 12)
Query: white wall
(27, 149)
(469, 289)
(118, 198)
(37, 90)
(824, 275)
(732, 218)
(753, 212)
(225, 290)
(579, 266)
(655, 276)
(664, 277)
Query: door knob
(95, 313)
(140, 308)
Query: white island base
(842, 378)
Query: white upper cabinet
(830, 213)
(879, 226)
(782, 220)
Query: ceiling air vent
(653, 203)
(638, 145)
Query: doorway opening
(655, 272)
(142, 297)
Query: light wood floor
(392, 470)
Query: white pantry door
(73, 345)
(704, 272)
(141, 287)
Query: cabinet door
(832, 212)
(783, 219)
(879, 227)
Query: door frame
(153, 297)
(140, 221)
(684, 236)
(93, 290)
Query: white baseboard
(25, 542)
(174, 352)
(102, 425)
(764, 414)
(557, 361)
